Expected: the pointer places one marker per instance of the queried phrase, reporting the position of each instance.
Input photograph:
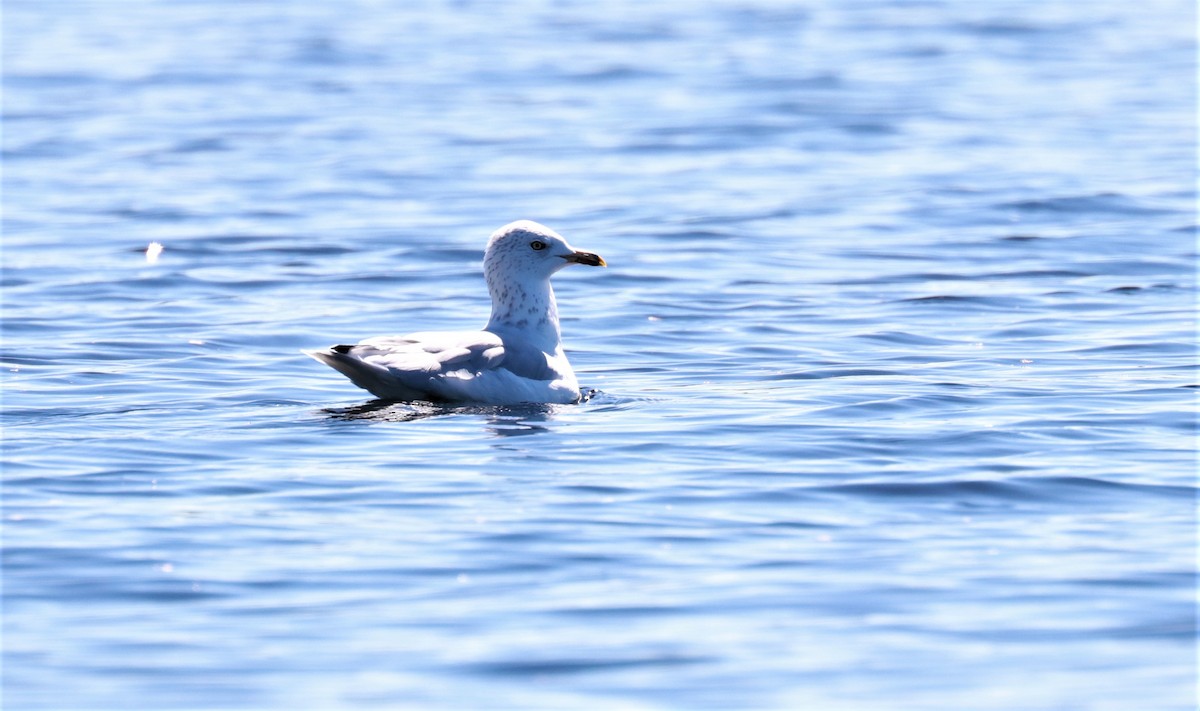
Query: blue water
(896, 356)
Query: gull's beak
(592, 260)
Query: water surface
(895, 356)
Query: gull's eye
(537, 245)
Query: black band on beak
(592, 260)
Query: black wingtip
(340, 349)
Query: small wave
(818, 374)
(547, 667)
(1111, 203)
(1156, 347)
(990, 302)
(907, 339)
(1029, 489)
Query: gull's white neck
(527, 307)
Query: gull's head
(527, 250)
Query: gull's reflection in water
(502, 420)
(385, 411)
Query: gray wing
(431, 352)
(415, 366)
(473, 366)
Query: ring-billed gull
(517, 358)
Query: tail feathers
(375, 379)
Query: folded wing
(449, 366)
(431, 352)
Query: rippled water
(896, 356)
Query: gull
(518, 356)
